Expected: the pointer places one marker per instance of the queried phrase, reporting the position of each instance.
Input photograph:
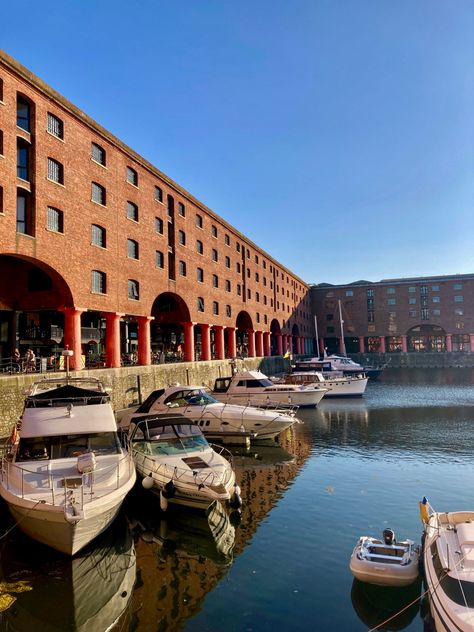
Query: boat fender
(424, 511)
(163, 502)
(147, 482)
(389, 537)
(235, 517)
(237, 489)
(235, 501)
(169, 490)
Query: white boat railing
(31, 484)
(182, 475)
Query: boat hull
(303, 398)
(49, 526)
(383, 574)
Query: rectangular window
(391, 301)
(370, 293)
(228, 311)
(24, 222)
(55, 171)
(424, 289)
(22, 160)
(158, 194)
(132, 249)
(54, 220)
(159, 259)
(215, 308)
(98, 154)
(159, 225)
(98, 236)
(215, 280)
(412, 313)
(459, 299)
(371, 317)
(181, 209)
(182, 237)
(412, 301)
(390, 290)
(132, 211)
(200, 304)
(198, 221)
(23, 114)
(435, 288)
(459, 311)
(214, 254)
(133, 290)
(412, 289)
(182, 268)
(436, 312)
(436, 299)
(349, 293)
(98, 282)
(200, 275)
(98, 194)
(132, 176)
(199, 247)
(227, 239)
(457, 286)
(425, 313)
(228, 286)
(55, 126)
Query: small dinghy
(387, 562)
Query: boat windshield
(190, 397)
(261, 383)
(67, 446)
(172, 439)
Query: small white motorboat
(385, 562)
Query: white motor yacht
(65, 474)
(335, 382)
(217, 420)
(256, 389)
(448, 555)
(176, 461)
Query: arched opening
(426, 338)
(243, 323)
(275, 331)
(31, 295)
(167, 333)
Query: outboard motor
(389, 537)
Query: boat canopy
(66, 394)
(69, 419)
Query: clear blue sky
(336, 134)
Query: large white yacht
(216, 419)
(256, 389)
(335, 382)
(64, 473)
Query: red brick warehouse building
(102, 252)
(421, 314)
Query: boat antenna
(343, 346)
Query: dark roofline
(400, 281)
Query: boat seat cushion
(465, 533)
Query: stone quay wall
(130, 385)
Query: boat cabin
(242, 382)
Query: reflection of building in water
(177, 571)
(52, 593)
(354, 412)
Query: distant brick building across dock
(422, 314)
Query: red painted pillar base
(72, 336)
(361, 344)
(382, 348)
(205, 342)
(219, 341)
(112, 339)
(231, 343)
(188, 329)
(279, 344)
(251, 342)
(404, 344)
(267, 348)
(449, 343)
(144, 341)
(259, 343)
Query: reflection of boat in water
(52, 593)
(376, 604)
(261, 456)
(183, 533)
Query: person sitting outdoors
(30, 361)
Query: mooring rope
(4, 535)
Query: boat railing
(28, 483)
(181, 474)
(55, 402)
(219, 449)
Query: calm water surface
(352, 468)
